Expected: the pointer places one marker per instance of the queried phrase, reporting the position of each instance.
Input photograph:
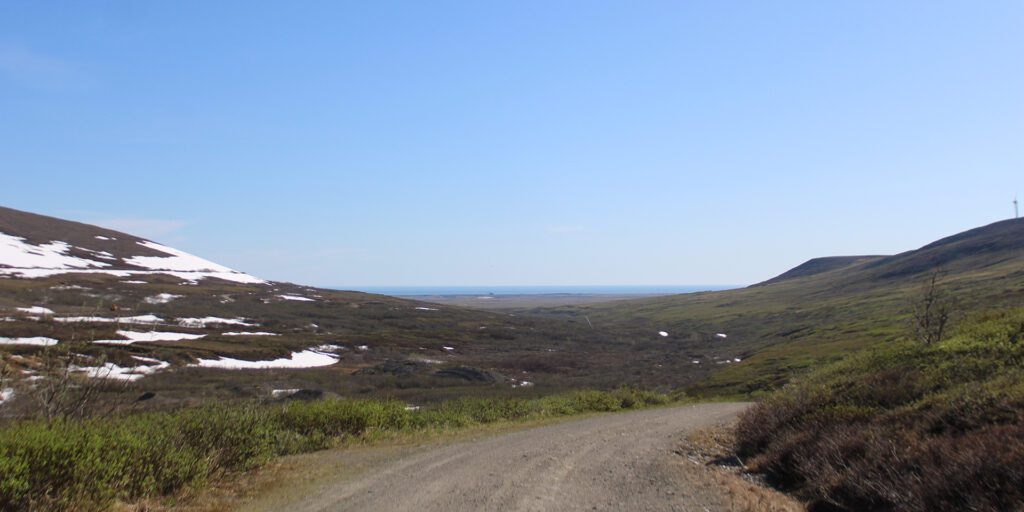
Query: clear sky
(515, 143)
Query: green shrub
(903, 427)
(88, 464)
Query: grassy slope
(903, 426)
(785, 327)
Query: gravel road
(610, 462)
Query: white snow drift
(310, 358)
(36, 311)
(200, 323)
(139, 319)
(136, 337)
(38, 341)
(129, 373)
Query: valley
(103, 331)
(186, 329)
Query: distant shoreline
(551, 291)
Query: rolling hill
(187, 330)
(164, 321)
(822, 309)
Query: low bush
(904, 427)
(88, 464)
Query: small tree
(931, 312)
(67, 392)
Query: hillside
(903, 426)
(188, 329)
(33, 246)
(166, 322)
(821, 310)
(817, 266)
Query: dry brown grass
(712, 448)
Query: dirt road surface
(610, 462)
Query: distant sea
(537, 290)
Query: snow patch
(161, 298)
(134, 282)
(249, 334)
(721, 335)
(140, 319)
(37, 311)
(296, 297)
(136, 337)
(6, 394)
(663, 334)
(281, 393)
(448, 348)
(306, 359)
(20, 255)
(421, 308)
(34, 273)
(37, 341)
(101, 237)
(103, 255)
(128, 373)
(199, 323)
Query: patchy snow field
(36, 310)
(26, 260)
(296, 298)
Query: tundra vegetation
(74, 463)
(905, 426)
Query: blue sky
(515, 143)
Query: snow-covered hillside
(63, 247)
